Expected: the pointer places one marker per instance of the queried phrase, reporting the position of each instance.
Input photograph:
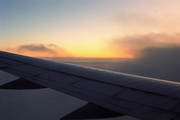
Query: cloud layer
(156, 62)
(136, 43)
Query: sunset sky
(88, 28)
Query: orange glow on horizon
(103, 55)
(83, 54)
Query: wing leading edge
(125, 94)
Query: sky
(88, 28)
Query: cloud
(41, 50)
(36, 48)
(136, 43)
(156, 62)
(155, 55)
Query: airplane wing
(109, 93)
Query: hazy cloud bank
(156, 62)
(135, 44)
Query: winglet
(21, 84)
(91, 111)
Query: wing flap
(149, 99)
(155, 115)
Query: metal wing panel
(134, 82)
(99, 87)
(29, 69)
(149, 99)
(3, 65)
(9, 62)
(59, 77)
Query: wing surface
(140, 97)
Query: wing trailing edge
(21, 84)
(91, 111)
